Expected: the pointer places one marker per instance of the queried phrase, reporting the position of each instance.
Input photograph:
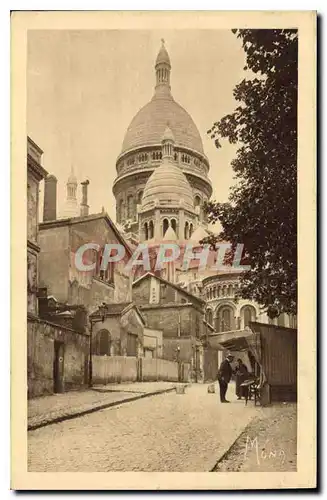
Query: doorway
(58, 367)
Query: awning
(233, 341)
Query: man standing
(224, 375)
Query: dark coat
(225, 371)
(241, 375)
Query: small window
(163, 291)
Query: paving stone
(168, 432)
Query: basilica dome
(167, 185)
(148, 125)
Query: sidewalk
(268, 443)
(58, 407)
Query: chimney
(84, 205)
(50, 198)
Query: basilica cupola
(167, 206)
(167, 186)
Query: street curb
(224, 455)
(62, 418)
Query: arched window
(225, 319)
(146, 231)
(230, 290)
(197, 201)
(130, 206)
(120, 210)
(104, 342)
(191, 229)
(209, 317)
(174, 224)
(165, 226)
(186, 231)
(139, 197)
(151, 230)
(249, 314)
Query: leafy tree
(262, 208)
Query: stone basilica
(161, 185)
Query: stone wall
(54, 261)
(172, 318)
(41, 354)
(185, 344)
(165, 293)
(100, 292)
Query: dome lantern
(163, 68)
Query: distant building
(180, 316)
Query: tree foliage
(262, 208)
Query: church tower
(71, 207)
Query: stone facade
(120, 333)
(179, 315)
(59, 242)
(47, 345)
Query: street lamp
(178, 352)
(102, 311)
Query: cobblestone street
(168, 432)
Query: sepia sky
(84, 88)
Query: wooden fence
(116, 369)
